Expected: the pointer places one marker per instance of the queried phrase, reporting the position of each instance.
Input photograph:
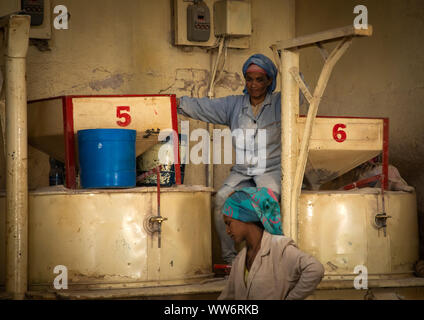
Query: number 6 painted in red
(339, 135)
(124, 115)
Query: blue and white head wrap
(265, 63)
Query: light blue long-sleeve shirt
(236, 112)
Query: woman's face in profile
(235, 229)
(257, 84)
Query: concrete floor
(400, 289)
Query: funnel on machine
(53, 123)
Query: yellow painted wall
(381, 76)
(125, 47)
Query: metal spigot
(380, 221)
(151, 221)
(153, 224)
(157, 219)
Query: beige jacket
(280, 271)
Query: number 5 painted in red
(123, 115)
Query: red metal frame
(68, 127)
(174, 116)
(225, 268)
(69, 134)
(102, 96)
(362, 182)
(336, 117)
(385, 178)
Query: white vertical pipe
(16, 157)
(289, 114)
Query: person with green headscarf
(270, 266)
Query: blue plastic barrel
(107, 158)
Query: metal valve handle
(380, 221)
(158, 219)
(152, 223)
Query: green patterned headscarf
(255, 204)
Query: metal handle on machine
(158, 219)
(380, 219)
(153, 224)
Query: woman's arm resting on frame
(217, 111)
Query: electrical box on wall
(34, 8)
(193, 27)
(198, 22)
(39, 10)
(232, 18)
